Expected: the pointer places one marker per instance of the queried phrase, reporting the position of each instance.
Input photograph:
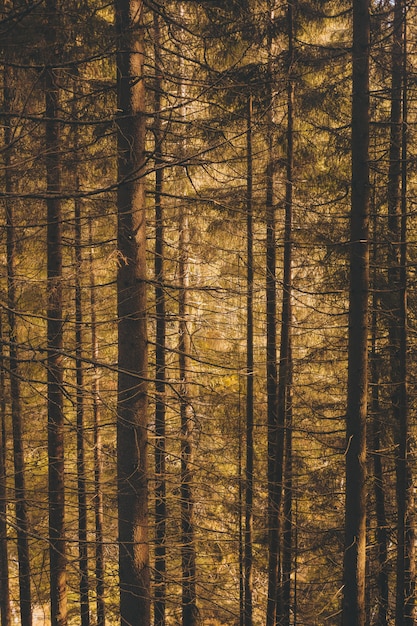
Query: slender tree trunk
(379, 490)
(248, 551)
(22, 522)
(271, 338)
(81, 473)
(98, 455)
(5, 609)
(160, 382)
(405, 494)
(132, 463)
(287, 539)
(284, 370)
(240, 519)
(57, 551)
(285, 362)
(189, 600)
(397, 312)
(190, 614)
(353, 612)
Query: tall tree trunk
(248, 551)
(57, 551)
(98, 454)
(271, 337)
(284, 412)
(287, 539)
(22, 522)
(190, 612)
(353, 612)
(5, 608)
(81, 474)
(189, 600)
(397, 312)
(397, 274)
(379, 491)
(378, 477)
(160, 378)
(132, 424)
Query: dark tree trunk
(132, 424)
(406, 440)
(353, 612)
(285, 364)
(160, 382)
(81, 474)
(22, 522)
(5, 609)
(379, 490)
(378, 472)
(397, 314)
(248, 556)
(271, 341)
(188, 556)
(287, 539)
(57, 551)
(98, 456)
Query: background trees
(210, 483)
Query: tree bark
(287, 539)
(284, 413)
(397, 314)
(22, 521)
(160, 351)
(5, 608)
(132, 424)
(378, 472)
(81, 472)
(98, 454)
(57, 551)
(353, 612)
(271, 338)
(188, 555)
(248, 533)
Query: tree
(248, 532)
(98, 452)
(160, 349)
(57, 551)
(4, 551)
(353, 612)
(22, 521)
(132, 463)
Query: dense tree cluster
(208, 311)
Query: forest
(208, 320)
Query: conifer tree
(132, 462)
(353, 611)
(56, 494)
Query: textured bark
(132, 463)
(5, 609)
(287, 539)
(22, 521)
(248, 533)
(98, 456)
(284, 413)
(381, 531)
(56, 493)
(188, 554)
(379, 490)
(353, 612)
(81, 473)
(160, 382)
(397, 315)
(271, 340)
